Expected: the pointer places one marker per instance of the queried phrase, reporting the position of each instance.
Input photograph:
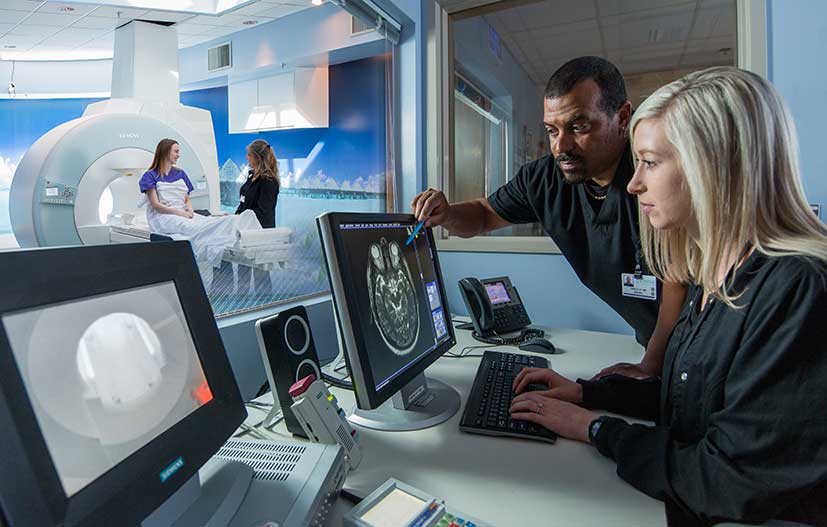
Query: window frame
(751, 22)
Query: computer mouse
(538, 345)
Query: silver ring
(539, 407)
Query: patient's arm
(188, 204)
(152, 196)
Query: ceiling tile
(12, 17)
(76, 9)
(124, 13)
(51, 19)
(97, 22)
(33, 31)
(549, 13)
(573, 44)
(615, 7)
(166, 16)
(204, 20)
(283, 10)
(188, 28)
(20, 5)
(74, 36)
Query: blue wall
(23, 122)
(797, 34)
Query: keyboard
(487, 409)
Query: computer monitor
(115, 387)
(393, 317)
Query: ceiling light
(250, 22)
(317, 2)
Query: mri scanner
(78, 183)
(58, 187)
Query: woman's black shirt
(742, 419)
(260, 195)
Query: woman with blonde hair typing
(741, 431)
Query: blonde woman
(742, 429)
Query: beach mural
(339, 168)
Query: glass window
(345, 166)
(503, 54)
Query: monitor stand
(422, 403)
(210, 498)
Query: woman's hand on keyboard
(564, 418)
(558, 386)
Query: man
(579, 197)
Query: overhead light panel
(199, 7)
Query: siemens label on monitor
(129, 135)
(171, 469)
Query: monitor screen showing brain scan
(400, 306)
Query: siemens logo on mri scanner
(131, 135)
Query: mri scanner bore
(132, 375)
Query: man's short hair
(601, 71)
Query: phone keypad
(508, 318)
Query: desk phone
(396, 504)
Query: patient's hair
(266, 165)
(162, 154)
(738, 151)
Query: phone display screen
(497, 293)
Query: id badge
(639, 286)
(242, 199)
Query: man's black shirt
(600, 243)
(742, 429)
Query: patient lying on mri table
(170, 212)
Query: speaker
(289, 354)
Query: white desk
(504, 481)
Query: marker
(415, 232)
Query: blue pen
(415, 232)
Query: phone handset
(478, 304)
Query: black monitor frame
(349, 317)
(31, 493)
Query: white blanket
(209, 235)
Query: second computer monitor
(390, 303)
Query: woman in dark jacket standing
(259, 193)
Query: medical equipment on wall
(58, 187)
(318, 412)
(396, 504)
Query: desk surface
(505, 481)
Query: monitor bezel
(130, 491)
(368, 397)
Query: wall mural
(339, 168)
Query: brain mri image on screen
(393, 297)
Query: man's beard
(579, 174)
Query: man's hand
(566, 419)
(559, 387)
(635, 371)
(431, 207)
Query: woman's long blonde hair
(266, 164)
(738, 150)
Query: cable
(338, 383)
(524, 335)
